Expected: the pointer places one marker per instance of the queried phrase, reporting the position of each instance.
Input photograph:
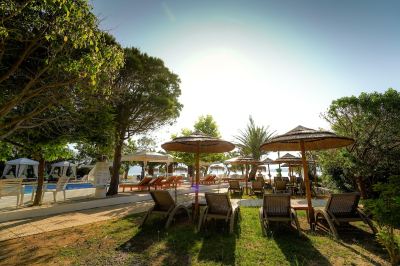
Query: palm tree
(249, 141)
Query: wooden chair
(205, 180)
(165, 205)
(12, 187)
(218, 207)
(155, 182)
(179, 180)
(257, 187)
(280, 186)
(60, 186)
(276, 208)
(234, 187)
(140, 186)
(168, 183)
(341, 209)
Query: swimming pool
(28, 188)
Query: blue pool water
(28, 189)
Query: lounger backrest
(234, 184)
(277, 205)
(170, 179)
(10, 186)
(162, 199)
(343, 204)
(292, 179)
(62, 183)
(218, 203)
(154, 181)
(280, 185)
(257, 185)
(145, 181)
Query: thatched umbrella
(246, 161)
(305, 139)
(198, 143)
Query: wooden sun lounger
(143, 184)
(218, 207)
(155, 182)
(165, 205)
(276, 208)
(341, 209)
(234, 187)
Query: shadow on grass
(355, 235)
(298, 250)
(152, 244)
(218, 246)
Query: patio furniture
(279, 186)
(140, 186)
(219, 207)
(257, 187)
(276, 208)
(234, 187)
(12, 187)
(341, 209)
(155, 182)
(165, 205)
(168, 182)
(60, 186)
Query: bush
(386, 211)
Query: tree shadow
(298, 250)
(152, 243)
(218, 246)
(362, 235)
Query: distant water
(137, 170)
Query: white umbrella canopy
(21, 164)
(64, 165)
(147, 156)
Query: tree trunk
(126, 172)
(113, 189)
(361, 187)
(253, 171)
(39, 190)
(170, 168)
(151, 169)
(190, 173)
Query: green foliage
(50, 51)
(206, 125)
(250, 139)
(386, 211)
(373, 120)
(6, 151)
(145, 97)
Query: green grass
(121, 242)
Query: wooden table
(301, 205)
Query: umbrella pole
(247, 178)
(269, 174)
(307, 184)
(196, 197)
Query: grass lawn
(120, 242)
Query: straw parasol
(246, 161)
(306, 139)
(198, 143)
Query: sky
(282, 62)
